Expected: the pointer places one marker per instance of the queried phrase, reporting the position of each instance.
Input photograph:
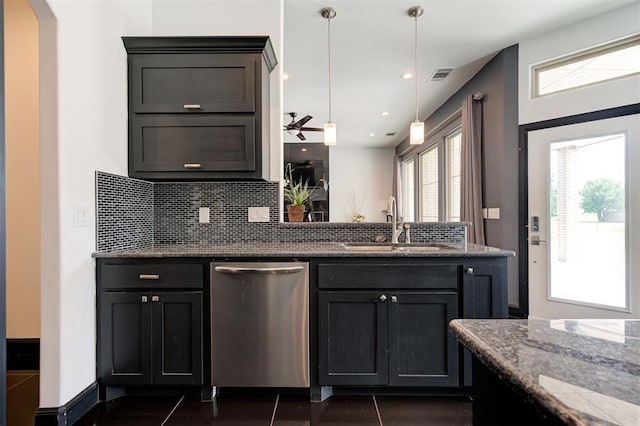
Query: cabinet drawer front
(192, 83)
(388, 276)
(151, 275)
(191, 144)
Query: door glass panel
(587, 235)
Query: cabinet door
(191, 144)
(177, 338)
(422, 352)
(352, 338)
(124, 338)
(192, 83)
(484, 290)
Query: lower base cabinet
(396, 338)
(150, 338)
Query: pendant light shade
(416, 131)
(330, 133)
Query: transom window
(602, 63)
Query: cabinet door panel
(191, 144)
(352, 338)
(484, 296)
(177, 338)
(167, 83)
(422, 352)
(125, 339)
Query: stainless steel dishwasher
(260, 324)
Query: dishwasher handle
(259, 270)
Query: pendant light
(416, 131)
(329, 127)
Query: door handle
(192, 165)
(255, 270)
(149, 276)
(535, 240)
(191, 106)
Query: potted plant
(297, 194)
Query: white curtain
(471, 184)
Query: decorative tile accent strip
(167, 213)
(124, 213)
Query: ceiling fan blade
(312, 129)
(301, 136)
(303, 121)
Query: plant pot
(296, 213)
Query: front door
(584, 219)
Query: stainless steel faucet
(397, 229)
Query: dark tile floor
(242, 410)
(22, 396)
(283, 410)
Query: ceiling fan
(295, 128)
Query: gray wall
(498, 80)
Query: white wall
(581, 35)
(83, 128)
(232, 17)
(359, 179)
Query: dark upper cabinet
(187, 83)
(199, 107)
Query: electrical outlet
(258, 214)
(494, 213)
(203, 215)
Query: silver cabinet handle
(469, 271)
(149, 276)
(273, 270)
(191, 106)
(155, 298)
(394, 299)
(192, 165)
(143, 299)
(382, 298)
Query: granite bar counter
(307, 250)
(576, 372)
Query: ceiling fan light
(293, 132)
(330, 138)
(416, 133)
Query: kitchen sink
(395, 247)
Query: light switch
(494, 213)
(81, 216)
(258, 214)
(203, 215)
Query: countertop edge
(506, 371)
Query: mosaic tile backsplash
(134, 214)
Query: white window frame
(593, 52)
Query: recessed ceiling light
(372, 134)
(407, 75)
(385, 113)
(304, 150)
(285, 76)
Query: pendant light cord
(415, 56)
(329, 61)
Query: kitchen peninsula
(576, 372)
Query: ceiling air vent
(440, 74)
(391, 134)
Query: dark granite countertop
(584, 371)
(289, 249)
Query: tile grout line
(172, 411)
(275, 407)
(21, 382)
(375, 403)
